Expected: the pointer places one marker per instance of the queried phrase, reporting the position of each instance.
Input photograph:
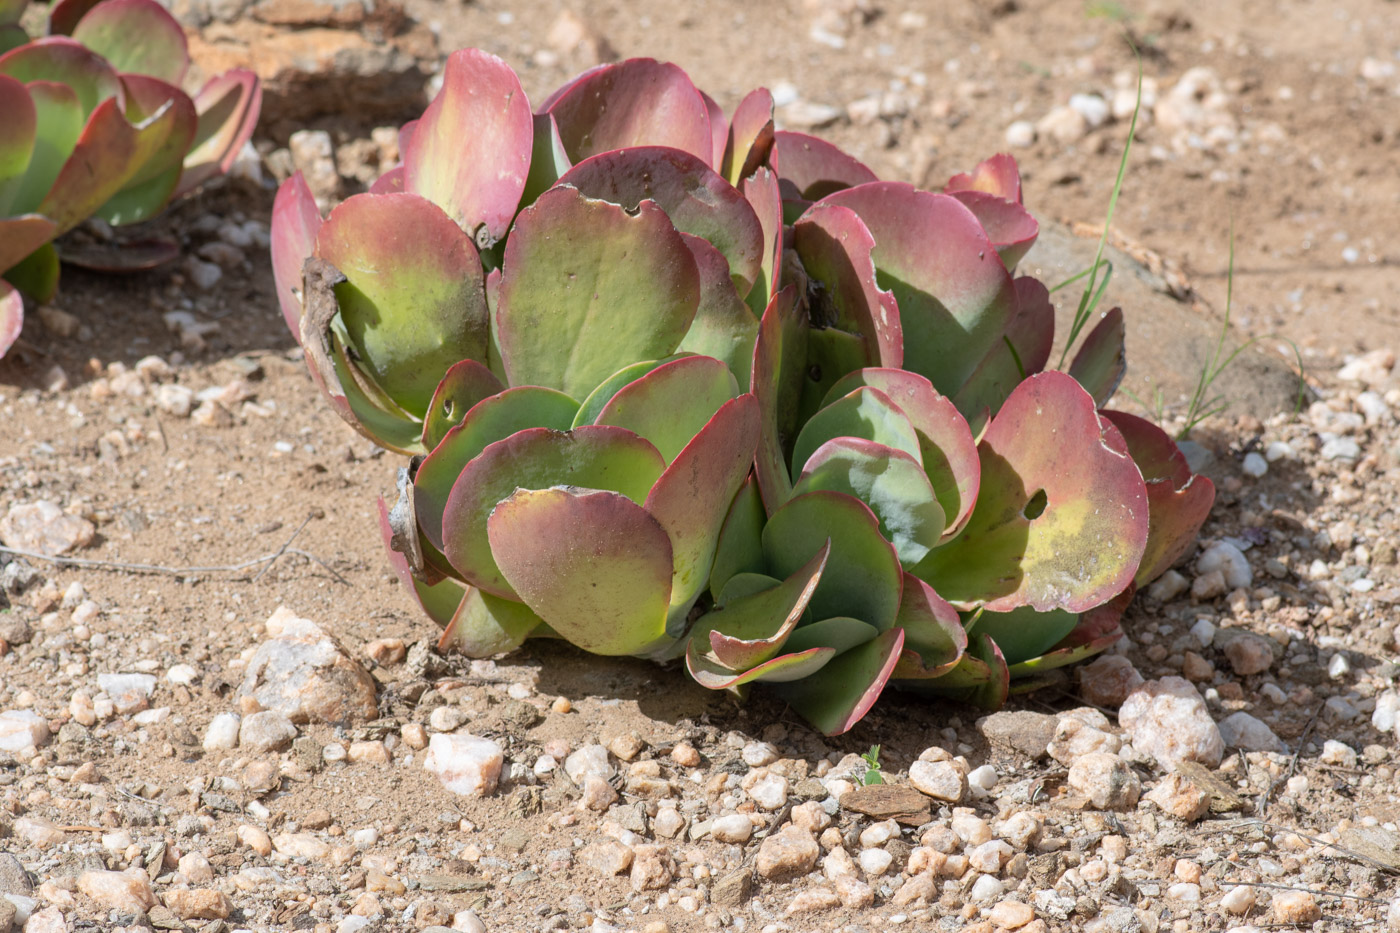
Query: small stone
(1078, 734)
(1011, 915)
(465, 764)
(1238, 900)
(59, 322)
(1196, 668)
(1294, 907)
(23, 732)
(386, 651)
(916, 889)
(48, 920)
(607, 857)
(811, 816)
(1106, 780)
(986, 888)
(1064, 125)
(653, 868)
(589, 759)
(1107, 680)
(981, 780)
(1093, 108)
(735, 828)
(414, 736)
(758, 754)
(733, 890)
(1020, 829)
(196, 869)
(38, 832)
(374, 753)
(1180, 797)
(1020, 134)
(685, 755)
(13, 878)
(874, 862)
(941, 780)
(42, 526)
(626, 746)
(668, 822)
(255, 839)
(301, 845)
(1339, 754)
(129, 692)
(1249, 653)
(175, 399)
(598, 794)
(787, 854)
(127, 891)
(199, 904)
(1230, 561)
(1168, 719)
(1209, 585)
(1241, 730)
(1254, 464)
(446, 718)
(1167, 587)
(854, 894)
(769, 791)
(812, 901)
(222, 732)
(1028, 733)
(304, 674)
(267, 731)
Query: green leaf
(486, 625)
(739, 547)
(462, 386)
(846, 688)
(867, 414)
(1024, 633)
(671, 404)
(724, 327)
(136, 36)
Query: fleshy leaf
(997, 175)
(864, 413)
(155, 179)
(11, 316)
(1097, 630)
(1024, 633)
(1023, 350)
(64, 15)
(596, 400)
(295, 223)
(746, 632)
(841, 695)
(835, 249)
(1009, 226)
(11, 11)
(719, 131)
(955, 297)
(761, 190)
(20, 236)
(779, 360)
(593, 457)
(946, 446)
(17, 144)
(691, 499)
(671, 403)
(724, 327)
(589, 288)
(485, 625)
(809, 168)
(415, 302)
(483, 108)
(934, 638)
(228, 106)
(36, 275)
(59, 124)
(740, 543)
(1061, 519)
(891, 482)
(782, 669)
(492, 419)
(136, 36)
(462, 386)
(862, 579)
(1100, 365)
(839, 633)
(1178, 503)
(696, 199)
(594, 565)
(750, 136)
(122, 257)
(548, 160)
(638, 102)
(441, 600)
(391, 182)
(63, 61)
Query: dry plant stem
(1292, 765)
(268, 559)
(1351, 853)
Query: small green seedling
(872, 767)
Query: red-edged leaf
(137, 37)
(65, 14)
(1009, 226)
(11, 316)
(670, 404)
(997, 176)
(719, 131)
(779, 360)
(638, 102)
(463, 385)
(295, 223)
(934, 638)
(750, 630)
(761, 190)
(750, 136)
(723, 327)
(64, 61)
(441, 600)
(809, 168)
(1100, 363)
(845, 689)
(470, 152)
(17, 143)
(20, 236)
(1030, 334)
(228, 107)
(391, 182)
(485, 625)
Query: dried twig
(1263, 804)
(267, 559)
(283, 549)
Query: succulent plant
(681, 385)
(96, 125)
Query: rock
(13, 878)
(304, 674)
(1026, 732)
(607, 857)
(48, 920)
(598, 794)
(8, 914)
(812, 901)
(941, 780)
(588, 759)
(129, 692)
(43, 527)
(1296, 907)
(1077, 736)
(1335, 753)
(874, 862)
(788, 854)
(1370, 369)
(1011, 915)
(38, 832)
(1093, 108)
(736, 828)
(733, 890)
(759, 754)
(301, 845)
(1020, 134)
(1241, 730)
(1064, 125)
(1180, 797)
(768, 790)
(386, 651)
(266, 731)
(888, 801)
(1247, 652)
(1208, 586)
(1168, 720)
(199, 904)
(1107, 680)
(854, 893)
(653, 868)
(222, 732)
(1106, 780)
(127, 891)
(986, 888)
(916, 889)
(808, 115)
(1167, 587)
(255, 839)
(22, 732)
(196, 869)
(1231, 563)
(465, 764)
